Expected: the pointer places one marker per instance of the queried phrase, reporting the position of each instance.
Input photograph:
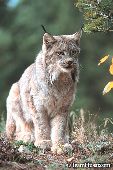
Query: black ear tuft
(44, 28)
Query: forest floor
(90, 148)
(21, 156)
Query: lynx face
(61, 53)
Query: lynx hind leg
(10, 128)
(11, 108)
(16, 126)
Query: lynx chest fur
(38, 104)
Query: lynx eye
(60, 53)
(73, 52)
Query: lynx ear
(77, 37)
(48, 40)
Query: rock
(23, 149)
(68, 147)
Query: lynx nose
(69, 61)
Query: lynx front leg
(58, 128)
(42, 130)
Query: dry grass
(95, 140)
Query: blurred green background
(21, 39)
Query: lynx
(38, 104)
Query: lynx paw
(10, 137)
(57, 149)
(25, 137)
(60, 149)
(43, 144)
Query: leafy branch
(109, 85)
(97, 14)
